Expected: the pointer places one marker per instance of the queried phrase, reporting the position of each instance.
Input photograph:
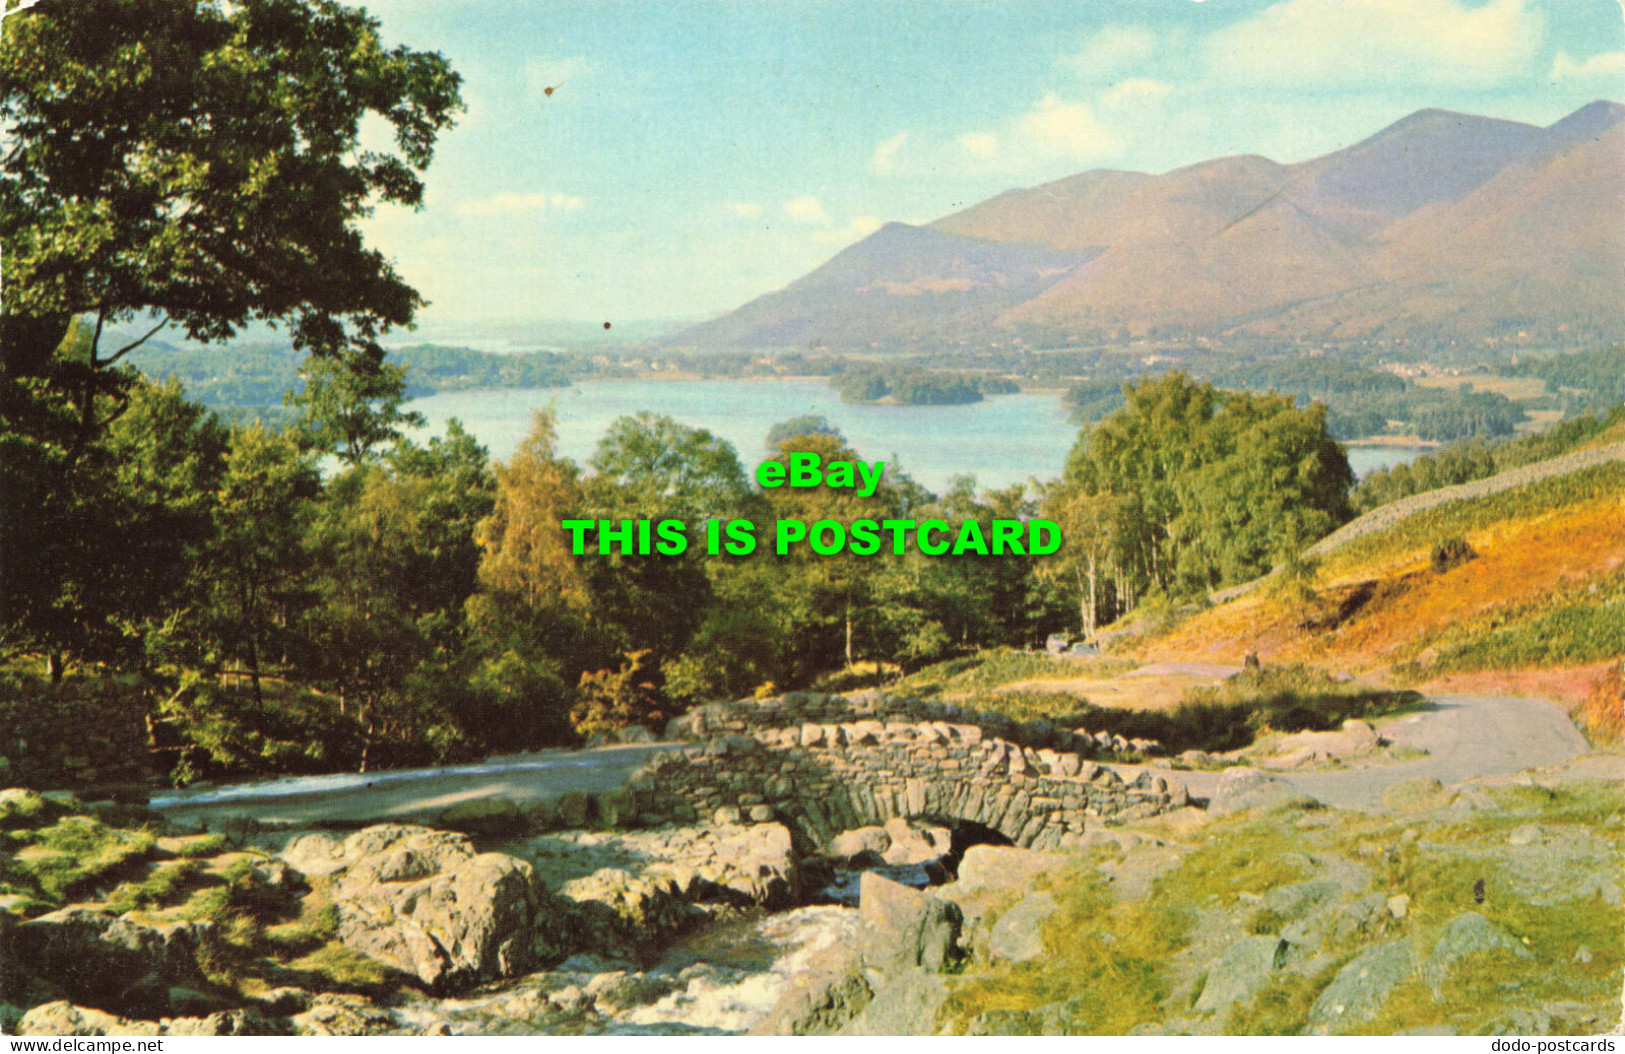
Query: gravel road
(1465, 736)
(408, 794)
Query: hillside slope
(901, 282)
(1442, 225)
(1538, 602)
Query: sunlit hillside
(1537, 596)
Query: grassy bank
(1323, 882)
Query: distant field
(1518, 389)
(1539, 421)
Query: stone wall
(72, 740)
(750, 716)
(823, 777)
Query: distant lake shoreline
(1002, 440)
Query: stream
(721, 978)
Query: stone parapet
(880, 759)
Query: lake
(1002, 440)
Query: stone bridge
(826, 764)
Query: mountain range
(1442, 226)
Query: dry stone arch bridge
(826, 764)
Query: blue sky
(696, 154)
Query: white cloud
(1056, 126)
(1339, 43)
(806, 209)
(884, 162)
(860, 227)
(979, 144)
(1603, 65)
(1112, 49)
(509, 203)
(1135, 91)
(745, 210)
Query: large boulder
(615, 910)
(111, 963)
(861, 846)
(1241, 972)
(63, 1018)
(991, 881)
(426, 903)
(759, 863)
(1019, 934)
(998, 868)
(1467, 936)
(903, 928)
(826, 993)
(1360, 990)
(907, 1004)
(315, 855)
(335, 1014)
(915, 843)
(489, 816)
(1247, 788)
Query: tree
(650, 465)
(186, 162)
(392, 567)
(525, 554)
(804, 425)
(823, 604)
(350, 406)
(256, 560)
(531, 619)
(1098, 532)
(1189, 487)
(451, 480)
(97, 549)
(611, 700)
(199, 162)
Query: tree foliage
(612, 700)
(1188, 488)
(201, 162)
(351, 406)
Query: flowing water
(733, 998)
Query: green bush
(21, 808)
(1450, 553)
(215, 731)
(203, 847)
(610, 700)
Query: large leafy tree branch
(201, 164)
